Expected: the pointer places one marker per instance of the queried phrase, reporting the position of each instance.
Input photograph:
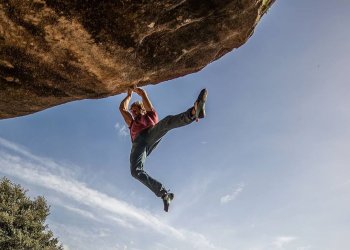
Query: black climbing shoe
(167, 198)
(200, 111)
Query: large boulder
(56, 51)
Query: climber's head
(137, 109)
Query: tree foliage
(22, 220)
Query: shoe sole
(202, 98)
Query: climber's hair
(139, 104)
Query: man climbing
(146, 132)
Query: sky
(267, 169)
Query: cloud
(120, 221)
(304, 248)
(281, 241)
(41, 162)
(78, 191)
(122, 129)
(232, 196)
(65, 247)
(81, 212)
(17, 162)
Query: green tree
(22, 220)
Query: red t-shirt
(142, 122)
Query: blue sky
(267, 169)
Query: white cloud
(79, 192)
(281, 241)
(65, 247)
(304, 248)
(32, 169)
(122, 129)
(41, 162)
(232, 196)
(81, 212)
(104, 232)
(120, 221)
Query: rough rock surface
(56, 51)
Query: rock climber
(146, 132)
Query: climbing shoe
(200, 111)
(167, 198)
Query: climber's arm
(124, 108)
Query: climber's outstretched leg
(170, 122)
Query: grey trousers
(146, 141)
